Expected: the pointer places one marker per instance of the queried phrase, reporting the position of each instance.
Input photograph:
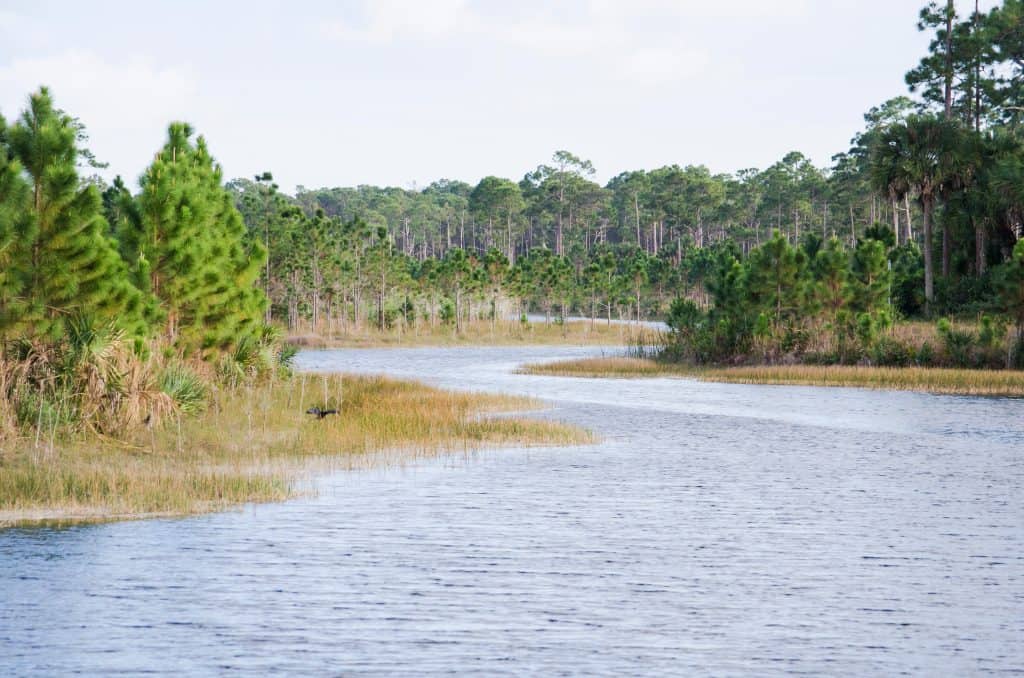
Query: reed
(927, 379)
(255, 443)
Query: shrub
(958, 345)
(186, 389)
(925, 355)
(890, 352)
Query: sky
(402, 93)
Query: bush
(958, 345)
(925, 355)
(890, 352)
(447, 312)
(186, 389)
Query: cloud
(386, 21)
(125, 105)
(600, 34)
(701, 9)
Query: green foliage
(957, 344)
(17, 233)
(187, 243)
(776, 279)
(185, 388)
(62, 262)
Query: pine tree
(870, 279)
(17, 231)
(831, 279)
(776, 277)
(186, 243)
(1011, 296)
(72, 265)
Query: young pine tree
(186, 245)
(17, 230)
(776, 278)
(71, 265)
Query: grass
(573, 332)
(606, 367)
(255, 444)
(931, 380)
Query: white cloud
(385, 21)
(125, 105)
(659, 65)
(600, 34)
(701, 9)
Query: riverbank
(481, 333)
(930, 380)
(256, 444)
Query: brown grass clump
(928, 379)
(253, 443)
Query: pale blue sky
(397, 93)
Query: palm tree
(919, 155)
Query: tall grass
(928, 379)
(614, 367)
(252, 443)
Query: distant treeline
(944, 172)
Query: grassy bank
(574, 332)
(254, 444)
(931, 380)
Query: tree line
(942, 170)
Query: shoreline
(573, 332)
(256, 444)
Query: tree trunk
(896, 220)
(980, 245)
(949, 61)
(636, 210)
(928, 205)
(909, 233)
(946, 248)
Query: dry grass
(931, 380)
(575, 332)
(607, 367)
(255, 444)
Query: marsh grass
(928, 379)
(608, 367)
(573, 332)
(255, 444)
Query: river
(716, 530)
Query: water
(717, 529)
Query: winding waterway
(717, 529)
